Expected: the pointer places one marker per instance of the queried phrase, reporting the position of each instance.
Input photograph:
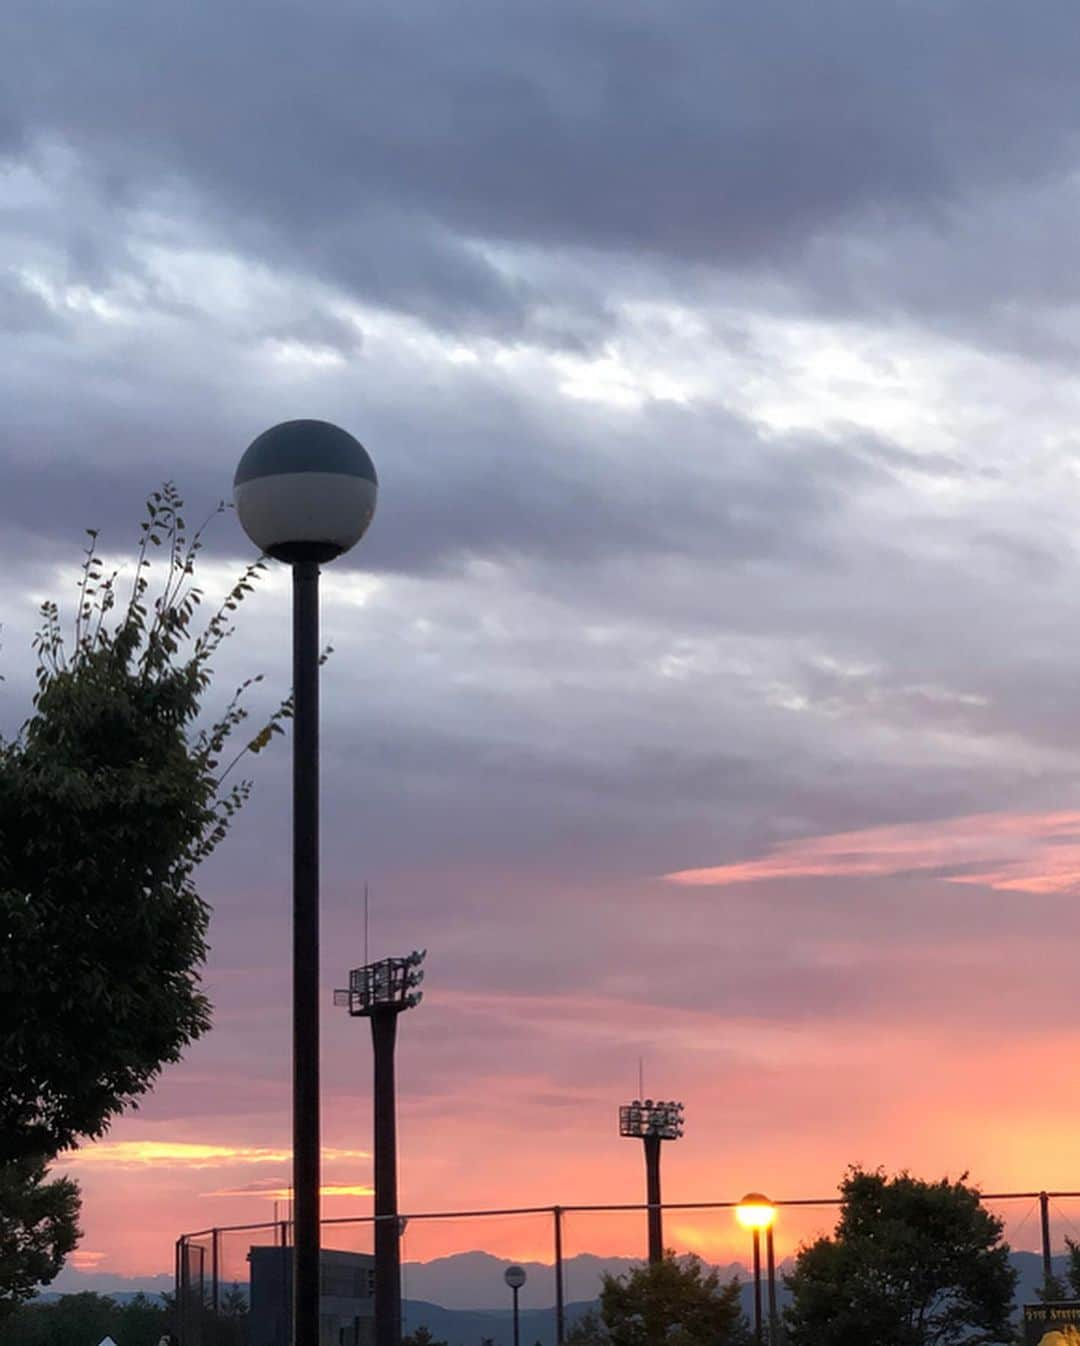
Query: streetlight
(515, 1278)
(305, 493)
(652, 1122)
(380, 992)
(756, 1212)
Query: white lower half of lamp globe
(305, 515)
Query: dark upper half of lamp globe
(305, 491)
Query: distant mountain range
(463, 1299)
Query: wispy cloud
(274, 1191)
(82, 1259)
(1027, 852)
(127, 1154)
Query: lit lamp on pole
(652, 1123)
(756, 1212)
(305, 493)
(380, 992)
(515, 1278)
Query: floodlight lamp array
(386, 986)
(648, 1118)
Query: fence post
(179, 1257)
(560, 1299)
(1048, 1266)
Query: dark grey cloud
(372, 147)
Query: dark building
(346, 1297)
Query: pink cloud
(1022, 852)
(82, 1259)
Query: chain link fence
(233, 1283)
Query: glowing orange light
(755, 1211)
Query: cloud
(82, 1259)
(1027, 853)
(125, 1154)
(275, 1191)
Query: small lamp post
(515, 1278)
(652, 1123)
(756, 1212)
(380, 992)
(305, 493)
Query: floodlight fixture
(388, 986)
(652, 1121)
(648, 1118)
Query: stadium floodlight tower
(652, 1123)
(380, 992)
(305, 493)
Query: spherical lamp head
(305, 491)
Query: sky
(704, 693)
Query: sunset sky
(707, 689)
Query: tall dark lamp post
(652, 1123)
(515, 1278)
(305, 493)
(756, 1212)
(380, 992)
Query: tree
(911, 1264)
(231, 1328)
(677, 1302)
(71, 1320)
(84, 1320)
(38, 1228)
(110, 796)
(422, 1336)
(142, 1321)
(1072, 1271)
(234, 1302)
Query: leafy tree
(71, 1320)
(677, 1302)
(234, 1303)
(421, 1337)
(1052, 1289)
(911, 1264)
(232, 1317)
(588, 1330)
(84, 1320)
(38, 1228)
(110, 796)
(1072, 1270)
(142, 1321)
